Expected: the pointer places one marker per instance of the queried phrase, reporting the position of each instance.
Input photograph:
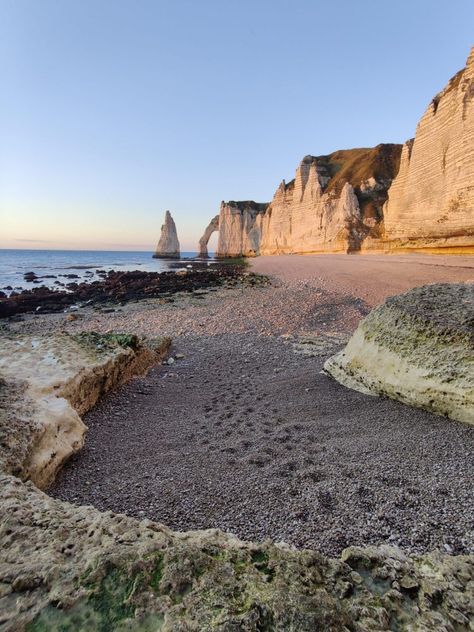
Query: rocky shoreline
(118, 288)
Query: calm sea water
(57, 263)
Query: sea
(53, 266)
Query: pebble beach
(241, 431)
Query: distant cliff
(390, 197)
(240, 229)
(333, 203)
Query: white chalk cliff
(210, 228)
(240, 228)
(333, 203)
(385, 198)
(168, 246)
(431, 201)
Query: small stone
(408, 583)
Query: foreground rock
(168, 246)
(65, 567)
(47, 382)
(418, 348)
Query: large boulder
(418, 348)
(48, 381)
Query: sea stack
(168, 246)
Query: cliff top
(454, 82)
(247, 205)
(356, 165)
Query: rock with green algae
(416, 347)
(48, 381)
(64, 567)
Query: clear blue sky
(114, 110)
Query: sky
(112, 111)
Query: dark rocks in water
(70, 276)
(8, 287)
(3, 295)
(29, 276)
(121, 287)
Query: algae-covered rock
(417, 347)
(74, 568)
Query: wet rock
(121, 287)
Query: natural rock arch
(211, 228)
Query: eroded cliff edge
(431, 201)
(419, 196)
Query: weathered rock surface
(417, 347)
(431, 201)
(168, 246)
(47, 382)
(333, 204)
(66, 567)
(240, 229)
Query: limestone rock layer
(65, 567)
(168, 246)
(431, 201)
(240, 226)
(418, 348)
(47, 381)
(333, 204)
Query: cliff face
(333, 203)
(240, 229)
(384, 198)
(431, 202)
(168, 246)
